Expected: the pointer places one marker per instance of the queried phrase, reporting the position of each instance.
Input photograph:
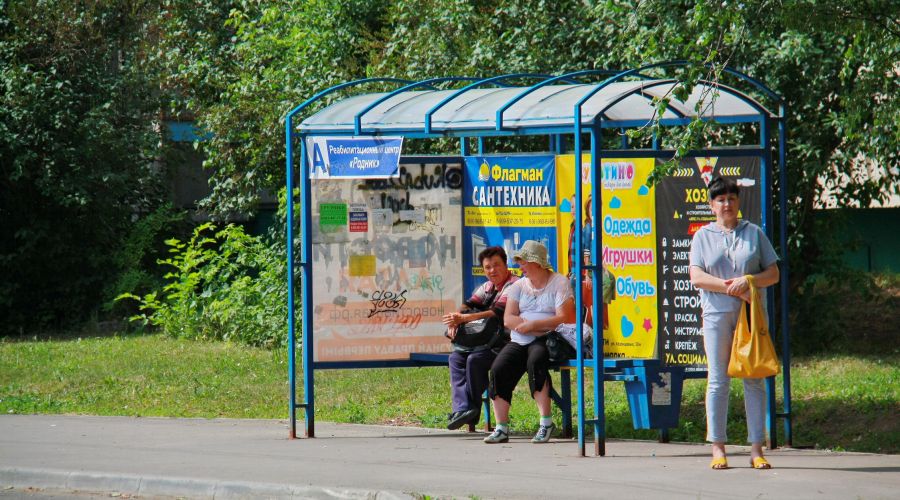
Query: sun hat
(533, 251)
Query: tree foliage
(834, 62)
(77, 150)
(81, 84)
(238, 66)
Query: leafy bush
(846, 311)
(222, 284)
(137, 256)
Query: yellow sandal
(719, 463)
(760, 463)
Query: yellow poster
(628, 229)
(565, 194)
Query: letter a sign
(354, 157)
(318, 162)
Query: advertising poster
(682, 208)
(565, 194)
(629, 248)
(386, 259)
(507, 201)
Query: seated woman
(536, 304)
(469, 366)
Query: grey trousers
(718, 334)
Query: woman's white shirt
(538, 303)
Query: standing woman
(536, 304)
(722, 254)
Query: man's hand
(453, 319)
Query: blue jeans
(718, 334)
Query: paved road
(196, 458)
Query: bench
(635, 373)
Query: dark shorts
(515, 360)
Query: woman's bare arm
(565, 313)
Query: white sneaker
(543, 433)
(498, 436)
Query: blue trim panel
(186, 132)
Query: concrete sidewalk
(197, 458)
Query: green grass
(840, 402)
(141, 375)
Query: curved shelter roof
(535, 109)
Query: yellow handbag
(752, 352)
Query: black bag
(480, 334)
(558, 349)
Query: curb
(133, 484)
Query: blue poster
(354, 157)
(507, 200)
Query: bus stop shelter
(574, 108)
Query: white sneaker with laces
(543, 433)
(498, 436)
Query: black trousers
(515, 360)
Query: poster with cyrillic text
(386, 260)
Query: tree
(238, 66)
(77, 151)
(834, 62)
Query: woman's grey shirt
(726, 255)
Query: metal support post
(785, 274)
(307, 299)
(292, 374)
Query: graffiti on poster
(682, 208)
(386, 262)
(628, 226)
(507, 200)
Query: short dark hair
(489, 252)
(722, 185)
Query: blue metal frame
(289, 181)
(307, 276)
(765, 180)
(596, 159)
(549, 81)
(785, 272)
(557, 138)
(493, 80)
(305, 263)
(357, 120)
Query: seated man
(469, 365)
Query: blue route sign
(354, 157)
